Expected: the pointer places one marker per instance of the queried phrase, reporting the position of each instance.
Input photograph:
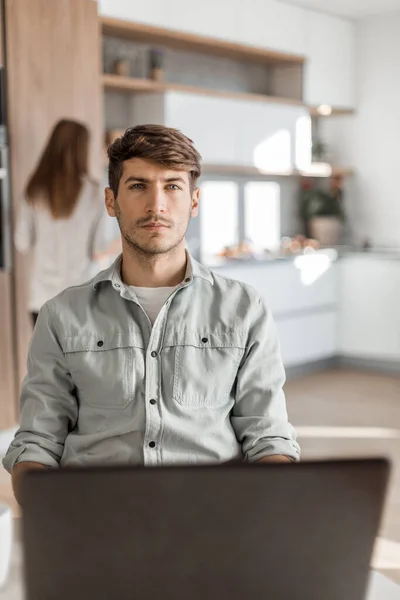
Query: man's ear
(195, 202)
(110, 202)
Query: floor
(343, 413)
(346, 413)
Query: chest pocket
(108, 372)
(205, 368)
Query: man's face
(153, 207)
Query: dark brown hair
(166, 146)
(57, 178)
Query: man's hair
(166, 146)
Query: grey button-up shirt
(103, 386)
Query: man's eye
(173, 186)
(136, 186)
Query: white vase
(326, 230)
(6, 535)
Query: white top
(152, 299)
(62, 249)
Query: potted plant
(321, 210)
(318, 150)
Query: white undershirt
(152, 299)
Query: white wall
(371, 141)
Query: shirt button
(152, 444)
(100, 344)
(117, 285)
(187, 279)
(152, 401)
(154, 354)
(204, 340)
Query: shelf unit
(286, 68)
(178, 40)
(130, 84)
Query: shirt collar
(113, 273)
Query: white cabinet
(237, 132)
(267, 134)
(330, 69)
(281, 285)
(370, 308)
(273, 25)
(152, 12)
(209, 122)
(305, 314)
(308, 338)
(270, 24)
(209, 18)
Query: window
(219, 218)
(262, 219)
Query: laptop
(273, 531)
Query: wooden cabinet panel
(8, 416)
(1, 35)
(53, 65)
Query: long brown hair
(57, 178)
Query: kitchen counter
(335, 253)
(329, 305)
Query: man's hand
(18, 472)
(275, 458)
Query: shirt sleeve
(24, 236)
(259, 416)
(49, 409)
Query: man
(156, 360)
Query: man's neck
(160, 270)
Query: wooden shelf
(129, 84)
(250, 171)
(179, 40)
(317, 111)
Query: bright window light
(273, 155)
(262, 214)
(313, 266)
(303, 143)
(219, 218)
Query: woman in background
(61, 218)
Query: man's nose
(156, 200)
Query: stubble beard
(148, 250)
